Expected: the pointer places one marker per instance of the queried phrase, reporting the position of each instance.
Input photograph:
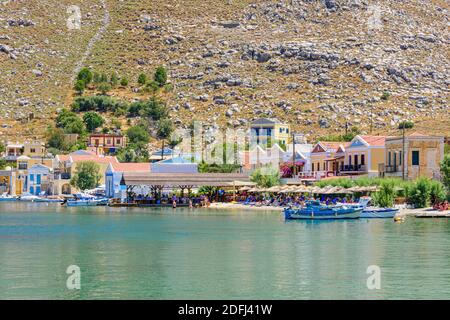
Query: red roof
(375, 141)
(131, 166)
(87, 157)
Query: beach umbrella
(274, 189)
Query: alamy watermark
(74, 280)
(374, 280)
(74, 20)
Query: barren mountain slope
(316, 64)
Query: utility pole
(294, 167)
(403, 152)
(371, 118)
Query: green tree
(93, 120)
(114, 80)
(116, 123)
(445, 171)
(142, 79)
(103, 77)
(79, 87)
(152, 87)
(386, 195)
(420, 193)
(155, 109)
(2, 147)
(56, 139)
(104, 88)
(164, 131)
(160, 76)
(87, 175)
(85, 75)
(137, 134)
(124, 82)
(437, 192)
(96, 77)
(3, 164)
(266, 177)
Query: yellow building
(422, 154)
(10, 182)
(263, 130)
(34, 149)
(327, 158)
(364, 155)
(66, 166)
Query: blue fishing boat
(314, 210)
(7, 197)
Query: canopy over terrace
(184, 179)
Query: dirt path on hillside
(87, 52)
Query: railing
(353, 168)
(391, 169)
(62, 176)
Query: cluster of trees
(104, 83)
(153, 108)
(68, 122)
(153, 85)
(100, 81)
(154, 118)
(266, 177)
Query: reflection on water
(168, 254)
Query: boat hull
(86, 203)
(327, 214)
(379, 213)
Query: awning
(183, 179)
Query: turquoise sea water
(140, 253)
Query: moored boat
(7, 197)
(81, 200)
(28, 197)
(371, 211)
(314, 210)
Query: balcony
(353, 168)
(62, 176)
(392, 169)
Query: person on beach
(190, 203)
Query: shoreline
(403, 212)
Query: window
(108, 141)
(38, 179)
(389, 158)
(33, 150)
(312, 167)
(363, 159)
(400, 158)
(415, 158)
(395, 159)
(287, 130)
(118, 141)
(281, 130)
(349, 160)
(23, 166)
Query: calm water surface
(141, 253)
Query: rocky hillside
(314, 63)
